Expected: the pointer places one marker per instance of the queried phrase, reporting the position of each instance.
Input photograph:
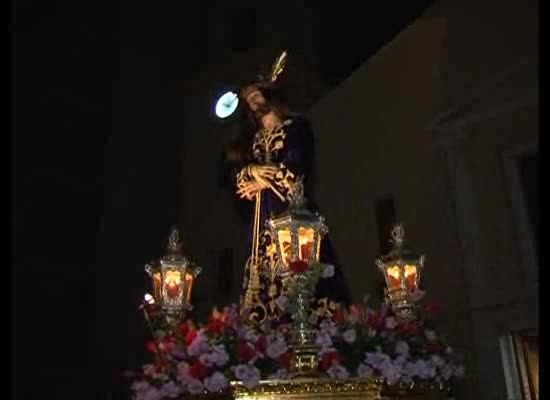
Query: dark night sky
(66, 60)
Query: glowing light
(227, 104)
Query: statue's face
(255, 100)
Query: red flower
(261, 344)
(168, 343)
(432, 307)
(339, 315)
(151, 347)
(160, 366)
(298, 266)
(198, 370)
(284, 359)
(376, 321)
(434, 347)
(245, 352)
(182, 329)
(191, 335)
(329, 359)
(215, 326)
(407, 328)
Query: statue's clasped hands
(260, 178)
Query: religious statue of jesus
(275, 150)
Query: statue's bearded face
(256, 101)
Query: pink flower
(170, 390)
(328, 326)
(140, 386)
(338, 372)
(216, 382)
(194, 386)
(391, 372)
(349, 336)
(323, 340)
(391, 323)
(276, 348)
(152, 393)
(364, 371)
(199, 345)
(249, 375)
(183, 371)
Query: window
(243, 29)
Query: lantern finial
(296, 193)
(174, 240)
(398, 235)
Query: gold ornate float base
(332, 389)
(310, 388)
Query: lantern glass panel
(157, 285)
(410, 276)
(394, 277)
(188, 285)
(306, 236)
(172, 280)
(285, 243)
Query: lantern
(402, 271)
(298, 232)
(173, 278)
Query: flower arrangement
(361, 341)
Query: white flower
(216, 382)
(194, 386)
(276, 348)
(280, 374)
(217, 356)
(438, 361)
(170, 390)
(151, 370)
(425, 370)
(140, 386)
(447, 372)
(220, 355)
(323, 340)
(328, 271)
(376, 360)
(337, 371)
(391, 323)
(349, 336)
(430, 335)
(459, 371)
(402, 348)
(327, 326)
(152, 393)
(410, 369)
(400, 360)
(250, 376)
(391, 372)
(199, 345)
(364, 371)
